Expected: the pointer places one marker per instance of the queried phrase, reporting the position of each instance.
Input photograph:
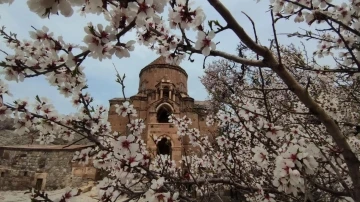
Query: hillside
(8, 137)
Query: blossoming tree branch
(287, 125)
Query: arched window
(163, 114)
(164, 147)
(166, 91)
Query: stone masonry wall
(151, 76)
(54, 167)
(57, 165)
(15, 178)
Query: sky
(18, 18)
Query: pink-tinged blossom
(299, 17)
(41, 34)
(125, 109)
(145, 37)
(185, 16)
(133, 159)
(119, 18)
(40, 7)
(4, 89)
(4, 112)
(65, 8)
(277, 5)
(273, 132)
(144, 10)
(124, 50)
(321, 3)
(96, 39)
(136, 126)
(103, 159)
(260, 156)
(204, 42)
(12, 75)
(23, 123)
(45, 139)
(174, 59)
(156, 184)
(221, 141)
(343, 13)
(106, 35)
(353, 141)
(210, 120)
(67, 135)
(82, 156)
(125, 144)
(269, 198)
(66, 90)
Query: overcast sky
(101, 75)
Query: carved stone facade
(163, 91)
(45, 167)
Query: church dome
(158, 70)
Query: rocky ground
(89, 193)
(19, 196)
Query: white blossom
(204, 42)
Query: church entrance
(164, 147)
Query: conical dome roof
(159, 61)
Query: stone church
(163, 91)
